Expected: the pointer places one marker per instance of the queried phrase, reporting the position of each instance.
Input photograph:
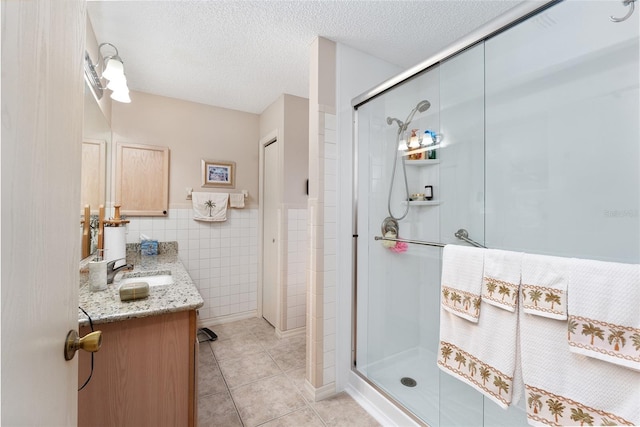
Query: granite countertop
(105, 306)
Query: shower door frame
(500, 24)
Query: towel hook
(631, 4)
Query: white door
(42, 98)
(270, 235)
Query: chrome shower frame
(496, 26)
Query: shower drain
(408, 382)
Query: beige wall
(272, 117)
(296, 154)
(192, 132)
(288, 116)
(271, 125)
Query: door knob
(90, 342)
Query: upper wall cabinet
(142, 179)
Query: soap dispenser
(98, 272)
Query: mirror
(96, 146)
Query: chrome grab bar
(415, 242)
(461, 234)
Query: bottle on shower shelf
(430, 135)
(413, 142)
(428, 192)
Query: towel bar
(415, 242)
(461, 234)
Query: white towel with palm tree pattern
(604, 311)
(544, 285)
(501, 278)
(209, 206)
(462, 268)
(483, 354)
(563, 388)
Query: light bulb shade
(114, 68)
(121, 96)
(118, 84)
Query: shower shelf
(423, 203)
(426, 162)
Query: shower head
(423, 106)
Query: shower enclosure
(537, 151)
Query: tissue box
(149, 247)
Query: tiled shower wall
(221, 257)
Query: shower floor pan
(418, 365)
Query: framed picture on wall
(218, 173)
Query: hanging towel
(481, 354)
(501, 279)
(604, 311)
(210, 206)
(236, 200)
(564, 388)
(544, 285)
(462, 280)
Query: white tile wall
(297, 243)
(330, 213)
(221, 257)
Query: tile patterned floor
(248, 377)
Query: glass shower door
(397, 298)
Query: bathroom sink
(157, 280)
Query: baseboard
(291, 332)
(317, 394)
(227, 319)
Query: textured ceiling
(243, 54)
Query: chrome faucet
(111, 272)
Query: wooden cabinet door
(142, 179)
(143, 375)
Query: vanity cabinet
(144, 374)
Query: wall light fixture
(113, 74)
